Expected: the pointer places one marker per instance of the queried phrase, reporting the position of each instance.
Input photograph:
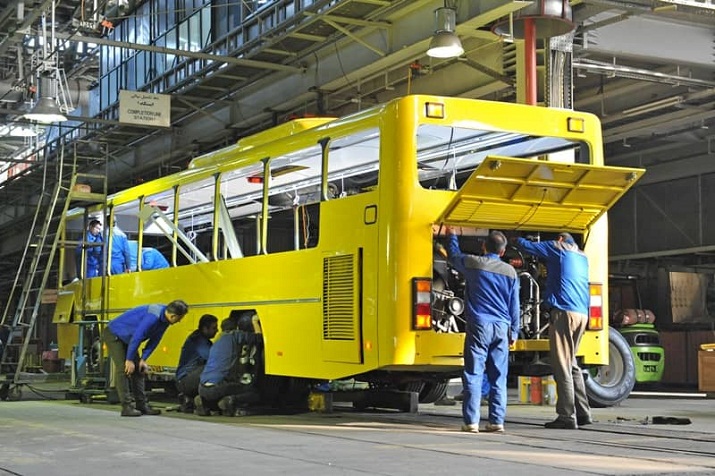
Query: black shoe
(584, 420)
(129, 410)
(147, 410)
(201, 410)
(561, 425)
(227, 406)
(187, 405)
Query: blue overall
(492, 313)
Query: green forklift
(637, 327)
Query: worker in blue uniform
(121, 258)
(492, 315)
(123, 336)
(229, 377)
(567, 294)
(153, 259)
(92, 251)
(194, 354)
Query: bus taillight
(421, 304)
(595, 309)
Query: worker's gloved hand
(128, 367)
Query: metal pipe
(536, 298)
(296, 228)
(52, 34)
(644, 74)
(530, 60)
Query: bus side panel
(594, 344)
(285, 289)
(349, 227)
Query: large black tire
(433, 391)
(412, 386)
(611, 384)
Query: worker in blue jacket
(123, 336)
(92, 247)
(492, 315)
(229, 376)
(194, 354)
(121, 258)
(567, 294)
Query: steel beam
(184, 53)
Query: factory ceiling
(646, 67)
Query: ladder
(37, 262)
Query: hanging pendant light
(445, 42)
(47, 109)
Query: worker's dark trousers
(189, 385)
(118, 353)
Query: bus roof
(269, 135)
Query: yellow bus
(325, 229)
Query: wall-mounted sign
(146, 109)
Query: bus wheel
(412, 386)
(611, 384)
(433, 391)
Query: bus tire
(610, 384)
(412, 386)
(433, 391)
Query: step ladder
(38, 270)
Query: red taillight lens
(595, 309)
(421, 303)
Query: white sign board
(146, 109)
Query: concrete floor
(61, 437)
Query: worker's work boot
(187, 404)
(129, 410)
(145, 409)
(200, 408)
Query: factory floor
(44, 434)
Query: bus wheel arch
(610, 384)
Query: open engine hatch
(510, 193)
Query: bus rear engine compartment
(448, 289)
(605, 385)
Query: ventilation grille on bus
(339, 298)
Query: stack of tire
(637, 327)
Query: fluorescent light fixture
(445, 42)
(653, 106)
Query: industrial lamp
(47, 108)
(17, 130)
(445, 42)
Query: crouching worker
(194, 354)
(228, 380)
(123, 335)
